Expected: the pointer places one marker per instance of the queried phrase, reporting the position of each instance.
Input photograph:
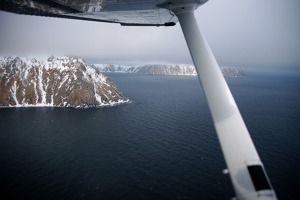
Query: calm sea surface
(160, 146)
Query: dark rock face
(163, 69)
(54, 81)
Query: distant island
(54, 81)
(187, 70)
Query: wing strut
(245, 167)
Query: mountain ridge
(54, 81)
(163, 69)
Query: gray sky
(251, 33)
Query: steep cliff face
(164, 69)
(54, 81)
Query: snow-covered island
(188, 70)
(54, 81)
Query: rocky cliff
(54, 81)
(163, 69)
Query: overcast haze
(248, 33)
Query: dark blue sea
(162, 145)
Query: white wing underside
(145, 12)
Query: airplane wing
(246, 170)
(124, 12)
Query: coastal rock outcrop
(54, 81)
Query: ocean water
(160, 146)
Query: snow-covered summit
(59, 62)
(54, 81)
